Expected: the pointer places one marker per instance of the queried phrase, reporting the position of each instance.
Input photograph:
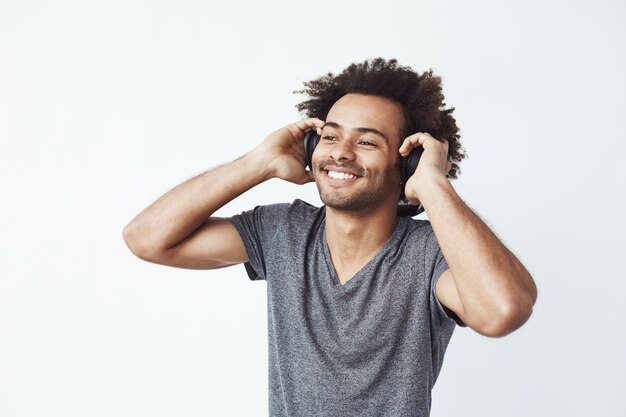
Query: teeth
(340, 175)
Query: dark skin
(486, 286)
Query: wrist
(430, 188)
(256, 165)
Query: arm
(177, 229)
(485, 285)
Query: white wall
(104, 106)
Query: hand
(283, 151)
(433, 165)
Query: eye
(329, 138)
(366, 142)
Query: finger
(427, 140)
(309, 123)
(307, 177)
(408, 145)
(413, 201)
(413, 141)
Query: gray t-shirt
(373, 346)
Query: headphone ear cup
(410, 164)
(311, 139)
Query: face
(355, 162)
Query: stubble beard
(375, 190)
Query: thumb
(307, 177)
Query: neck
(356, 236)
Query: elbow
(509, 318)
(133, 243)
(144, 250)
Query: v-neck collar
(361, 272)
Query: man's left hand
(433, 164)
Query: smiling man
(362, 300)
(353, 186)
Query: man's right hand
(176, 229)
(283, 151)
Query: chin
(365, 195)
(355, 202)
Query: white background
(105, 106)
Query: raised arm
(486, 286)
(178, 230)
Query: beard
(370, 191)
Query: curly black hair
(419, 94)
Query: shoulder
(416, 228)
(418, 236)
(280, 213)
(302, 208)
(410, 238)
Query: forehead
(360, 110)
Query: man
(361, 302)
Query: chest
(344, 271)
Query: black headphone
(409, 165)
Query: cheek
(391, 172)
(375, 162)
(318, 154)
(315, 158)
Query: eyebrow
(358, 129)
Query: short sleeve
(258, 228)
(436, 264)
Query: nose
(343, 151)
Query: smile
(340, 175)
